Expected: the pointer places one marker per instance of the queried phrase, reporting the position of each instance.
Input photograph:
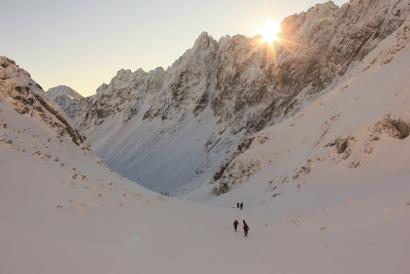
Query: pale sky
(83, 43)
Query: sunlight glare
(270, 32)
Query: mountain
(173, 130)
(64, 91)
(67, 98)
(355, 132)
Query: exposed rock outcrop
(28, 98)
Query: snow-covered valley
(325, 186)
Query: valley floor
(54, 222)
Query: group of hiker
(245, 227)
(236, 222)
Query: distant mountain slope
(67, 98)
(61, 90)
(173, 129)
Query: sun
(270, 32)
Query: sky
(83, 43)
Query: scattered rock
(245, 144)
(221, 189)
(342, 144)
(394, 127)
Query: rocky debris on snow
(6, 141)
(354, 164)
(275, 195)
(326, 128)
(304, 170)
(342, 146)
(394, 127)
(220, 189)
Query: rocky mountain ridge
(28, 98)
(172, 129)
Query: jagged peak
(204, 40)
(324, 6)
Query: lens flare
(270, 32)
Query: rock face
(171, 130)
(28, 98)
(67, 98)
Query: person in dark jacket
(241, 205)
(237, 205)
(245, 228)
(235, 225)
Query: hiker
(237, 205)
(245, 228)
(241, 205)
(235, 225)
